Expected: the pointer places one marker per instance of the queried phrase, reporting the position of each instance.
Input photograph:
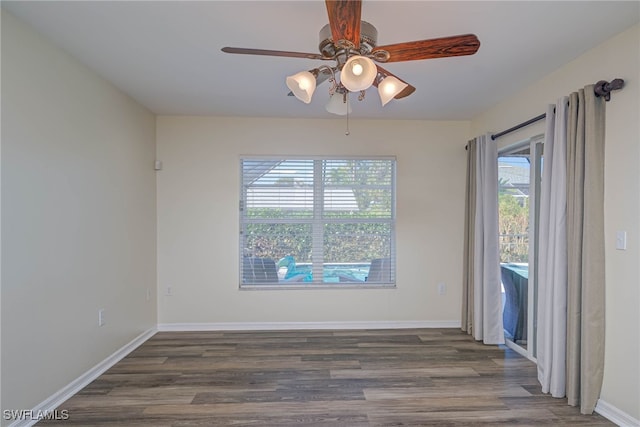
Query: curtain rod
(602, 88)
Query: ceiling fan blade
(405, 92)
(266, 52)
(444, 47)
(323, 76)
(344, 20)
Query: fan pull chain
(346, 100)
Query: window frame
(318, 220)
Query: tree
(513, 226)
(363, 176)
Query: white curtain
(552, 259)
(571, 280)
(482, 295)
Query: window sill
(277, 287)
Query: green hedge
(343, 242)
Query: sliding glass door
(519, 172)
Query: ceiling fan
(352, 44)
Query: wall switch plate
(101, 317)
(148, 294)
(621, 240)
(169, 291)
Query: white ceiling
(166, 54)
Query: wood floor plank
(449, 390)
(351, 378)
(401, 373)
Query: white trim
(615, 415)
(316, 286)
(264, 326)
(520, 350)
(52, 402)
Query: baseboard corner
(616, 415)
(49, 405)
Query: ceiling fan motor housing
(330, 48)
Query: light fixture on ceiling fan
(352, 44)
(358, 74)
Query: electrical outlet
(101, 317)
(442, 288)
(148, 294)
(169, 291)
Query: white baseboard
(52, 402)
(265, 326)
(615, 415)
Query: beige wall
(619, 57)
(198, 194)
(78, 218)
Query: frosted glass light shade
(336, 105)
(389, 87)
(358, 73)
(302, 85)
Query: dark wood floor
(415, 377)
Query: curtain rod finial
(604, 88)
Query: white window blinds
(317, 221)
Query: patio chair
(259, 270)
(514, 315)
(380, 270)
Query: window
(309, 222)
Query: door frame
(535, 144)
